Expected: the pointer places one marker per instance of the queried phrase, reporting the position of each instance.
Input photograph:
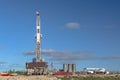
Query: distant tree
(20, 72)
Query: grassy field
(89, 78)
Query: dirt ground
(28, 78)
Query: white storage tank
(69, 67)
(73, 67)
(65, 67)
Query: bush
(89, 78)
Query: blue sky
(85, 32)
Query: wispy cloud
(1, 62)
(29, 52)
(61, 55)
(110, 57)
(57, 52)
(68, 56)
(73, 25)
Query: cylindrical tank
(69, 67)
(65, 67)
(73, 67)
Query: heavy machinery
(37, 66)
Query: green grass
(89, 78)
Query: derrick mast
(38, 38)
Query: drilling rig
(38, 66)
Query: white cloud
(73, 25)
(68, 55)
(63, 55)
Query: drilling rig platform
(37, 66)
